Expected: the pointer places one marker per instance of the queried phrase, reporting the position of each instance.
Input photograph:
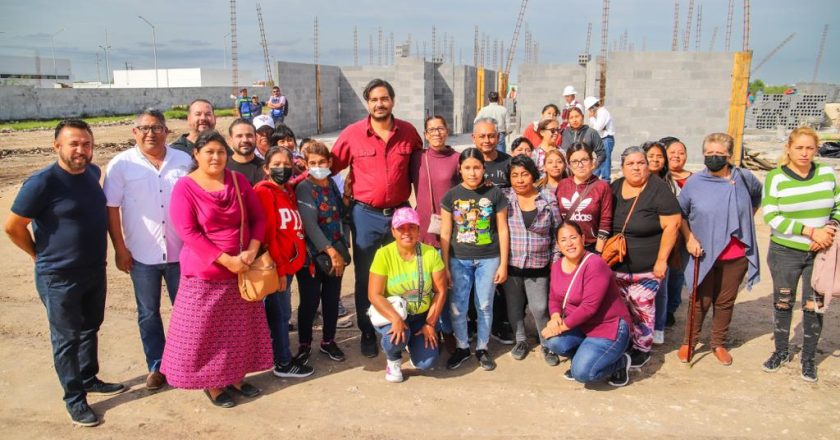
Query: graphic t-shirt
(402, 279)
(474, 232)
(496, 170)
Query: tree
(757, 86)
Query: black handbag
(324, 262)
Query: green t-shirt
(402, 277)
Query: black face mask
(280, 175)
(715, 163)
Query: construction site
(700, 86)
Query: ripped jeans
(787, 266)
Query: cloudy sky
(191, 33)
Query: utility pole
(316, 48)
(154, 48)
(746, 45)
(52, 39)
(98, 73)
(105, 49)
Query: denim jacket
(533, 247)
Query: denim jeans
(676, 282)
(278, 310)
(787, 266)
(147, 286)
(605, 168)
(421, 356)
(593, 359)
(75, 303)
(371, 230)
(501, 146)
(321, 289)
(465, 274)
(661, 303)
(534, 291)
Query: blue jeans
(465, 274)
(676, 282)
(422, 357)
(75, 303)
(501, 146)
(661, 304)
(605, 168)
(371, 230)
(593, 359)
(278, 311)
(147, 286)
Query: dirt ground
(528, 399)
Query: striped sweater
(790, 203)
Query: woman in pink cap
(396, 271)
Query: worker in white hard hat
(569, 94)
(601, 121)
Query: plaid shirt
(533, 247)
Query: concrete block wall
(542, 84)
(25, 102)
(297, 81)
(651, 95)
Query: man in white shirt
(601, 121)
(497, 113)
(138, 187)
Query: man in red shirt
(378, 149)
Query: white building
(194, 77)
(34, 71)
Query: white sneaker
(658, 337)
(393, 371)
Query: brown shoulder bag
(615, 248)
(261, 279)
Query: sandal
(223, 400)
(246, 390)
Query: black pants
(75, 303)
(321, 288)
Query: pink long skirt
(215, 337)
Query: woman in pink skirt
(215, 337)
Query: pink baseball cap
(405, 216)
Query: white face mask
(320, 172)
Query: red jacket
(283, 228)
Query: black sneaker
(809, 370)
(331, 349)
(503, 336)
(304, 351)
(458, 358)
(368, 345)
(82, 415)
(568, 375)
(520, 350)
(550, 357)
(293, 369)
(670, 320)
(484, 360)
(777, 359)
(104, 388)
(621, 376)
(638, 359)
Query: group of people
(490, 235)
(248, 108)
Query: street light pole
(52, 39)
(154, 47)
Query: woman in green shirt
(396, 271)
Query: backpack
(244, 106)
(286, 108)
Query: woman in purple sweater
(589, 321)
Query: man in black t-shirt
(244, 159)
(66, 207)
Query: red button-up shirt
(380, 169)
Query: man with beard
(244, 160)
(200, 117)
(378, 149)
(138, 187)
(66, 207)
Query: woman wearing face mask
(577, 131)
(549, 129)
(718, 204)
(321, 209)
(586, 199)
(556, 169)
(284, 240)
(532, 133)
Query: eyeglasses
(156, 129)
(579, 163)
(436, 130)
(553, 130)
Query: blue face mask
(320, 172)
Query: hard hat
(589, 102)
(569, 90)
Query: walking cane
(692, 311)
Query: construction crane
(699, 36)
(714, 37)
(269, 79)
(820, 53)
(689, 20)
(516, 29)
(729, 15)
(605, 25)
(675, 37)
(234, 54)
(772, 53)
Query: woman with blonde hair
(556, 169)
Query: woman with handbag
(475, 242)
(646, 220)
(589, 322)
(215, 336)
(319, 280)
(533, 219)
(586, 199)
(407, 294)
(285, 242)
(801, 204)
(433, 171)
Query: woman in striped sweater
(801, 203)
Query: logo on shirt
(577, 216)
(473, 221)
(290, 219)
